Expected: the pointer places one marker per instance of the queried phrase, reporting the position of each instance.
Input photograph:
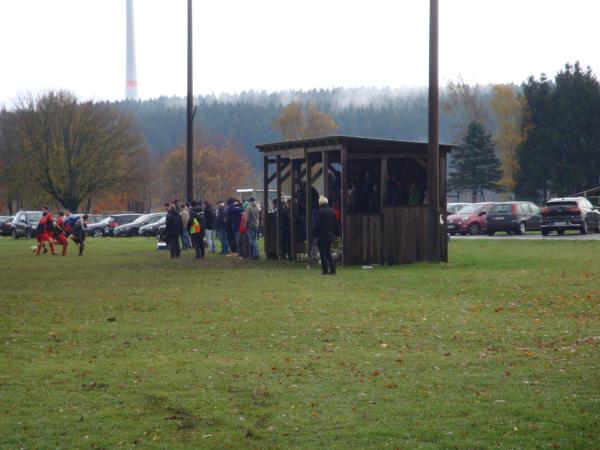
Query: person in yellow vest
(195, 227)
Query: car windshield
(34, 216)
(470, 209)
(501, 209)
(562, 203)
(143, 218)
(155, 218)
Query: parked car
(132, 228)
(151, 229)
(471, 219)
(105, 227)
(6, 225)
(453, 208)
(161, 233)
(25, 224)
(95, 218)
(570, 213)
(513, 217)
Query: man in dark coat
(324, 229)
(173, 229)
(234, 218)
(221, 224)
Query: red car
(471, 219)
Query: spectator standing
(243, 246)
(415, 194)
(173, 228)
(286, 235)
(234, 217)
(252, 224)
(196, 225)
(324, 230)
(221, 226)
(210, 233)
(184, 212)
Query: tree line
(530, 141)
(91, 156)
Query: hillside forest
(545, 135)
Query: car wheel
(14, 234)
(545, 232)
(521, 229)
(474, 229)
(491, 233)
(98, 233)
(585, 229)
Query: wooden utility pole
(433, 149)
(190, 113)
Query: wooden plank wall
(398, 236)
(364, 239)
(406, 232)
(270, 237)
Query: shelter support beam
(278, 203)
(344, 206)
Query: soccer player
(58, 233)
(76, 226)
(42, 234)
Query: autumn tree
(218, 172)
(298, 121)
(475, 167)
(465, 104)
(508, 107)
(73, 150)
(17, 185)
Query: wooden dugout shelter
(383, 230)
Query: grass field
(125, 348)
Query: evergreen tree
(474, 165)
(561, 151)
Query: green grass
(126, 348)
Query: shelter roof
(353, 143)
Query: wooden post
(384, 174)
(292, 211)
(265, 206)
(344, 206)
(383, 199)
(279, 216)
(325, 165)
(189, 147)
(433, 150)
(443, 209)
(309, 204)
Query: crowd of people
(57, 231)
(198, 226)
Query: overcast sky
(272, 45)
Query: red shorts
(60, 239)
(43, 237)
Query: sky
(274, 45)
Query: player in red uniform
(42, 233)
(50, 218)
(58, 233)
